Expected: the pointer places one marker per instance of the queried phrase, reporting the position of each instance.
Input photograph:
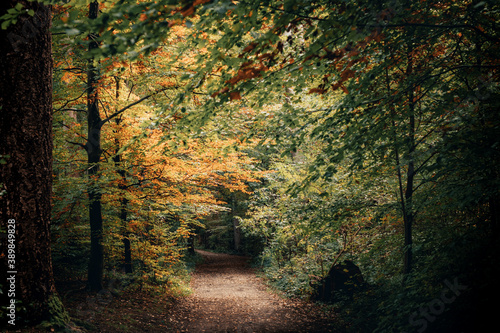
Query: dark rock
(342, 279)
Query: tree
(26, 166)
(93, 142)
(94, 151)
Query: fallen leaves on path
(229, 297)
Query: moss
(58, 317)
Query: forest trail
(229, 297)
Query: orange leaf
(317, 90)
(234, 95)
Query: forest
(350, 149)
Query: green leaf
(4, 158)
(5, 24)
(19, 7)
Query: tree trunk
(190, 244)
(26, 175)
(94, 151)
(408, 221)
(127, 266)
(410, 174)
(236, 224)
(405, 196)
(128, 256)
(494, 203)
(123, 210)
(237, 233)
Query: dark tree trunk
(236, 225)
(26, 176)
(409, 215)
(494, 203)
(410, 174)
(122, 187)
(236, 234)
(406, 195)
(94, 151)
(123, 207)
(190, 244)
(123, 217)
(128, 255)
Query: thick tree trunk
(94, 151)
(26, 175)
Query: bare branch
(77, 144)
(71, 100)
(117, 113)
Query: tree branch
(77, 144)
(437, 26)
(117, 113)
(71, 100)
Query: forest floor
(227, 296)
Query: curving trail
(229, 297)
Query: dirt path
(229, 297)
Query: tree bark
(237, 234)
(410, 174)
(26, 176)
(94, 151)
(117, 159)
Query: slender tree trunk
(94, 151)
(237, 233)
(26, 173)
(408, 221)
(122, 187)
(236, 225)
(405, 196)
(410, 174)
